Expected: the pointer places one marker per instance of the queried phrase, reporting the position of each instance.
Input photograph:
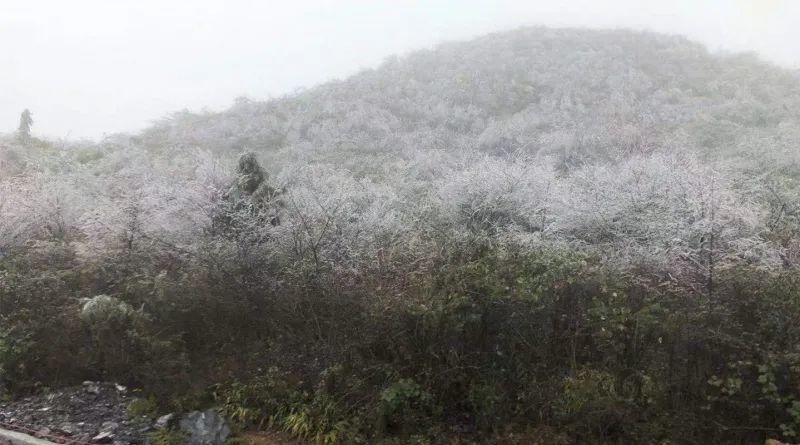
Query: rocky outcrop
(93, 412)
(97, 413)
(205, 428)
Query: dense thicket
(559, 235)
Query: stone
(80, 415)
(164, 421)
(102, 438)
(91, 387)
(205, 428)
(67, 429)
(109, 427)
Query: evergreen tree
(250, 199)
(25, 124)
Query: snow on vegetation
(640, 151)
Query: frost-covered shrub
(103, 309)
(496, 196)
(667, 208)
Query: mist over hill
(525, 127)
(532, 91)
(504, 194)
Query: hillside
(560, 100)
(569, 93)
(570, 235)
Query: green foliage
(321, 420)
(585, 391)
(272, 400)
(123, 344)
(491, 343)
(143, 407)
(13, 350)
(256, 402)
(405, 405)
(167, 437)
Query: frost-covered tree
(495, 196)
(667, 209)
(25, 124)
(17, 221)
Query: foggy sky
(89, 67)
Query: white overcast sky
(89, 67)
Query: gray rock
(80, 413)
(205, 428)
(91, 387)
(104, 437)
(67, 429)
(109, 427)
(164, 421)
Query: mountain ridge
(531, 88)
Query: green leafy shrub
(13, 350)
(486, 347)
(259, 401)
(167, 437)
(272, 400)
(143, 407)
(405, 406)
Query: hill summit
(576, 94)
